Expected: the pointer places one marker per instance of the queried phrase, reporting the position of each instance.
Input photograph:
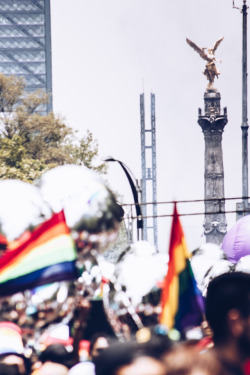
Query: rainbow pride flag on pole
(181, 300)
(47, 255)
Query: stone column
(212, 124)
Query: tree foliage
(31, 142)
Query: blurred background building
(25, 43)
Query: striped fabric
(181, 300)
(47, 255)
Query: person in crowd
(83, 368)
(6, 369)
(55, 359)
(98, 343)
(14, 364)
(12, 356)
(228, 314)
(130, 358)
(206, 364)
(143, 365)
(180, 359)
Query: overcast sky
(105, 53)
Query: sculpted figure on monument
(211, 71)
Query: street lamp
(244, 125)
(243, 208)
(135, 189)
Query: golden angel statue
(208, 54)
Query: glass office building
(25, 43)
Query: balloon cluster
(93, 217)
(132, 301)
(208, 261)
(90, 207)
(211, 260)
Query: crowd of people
(223, 349)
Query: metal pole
(154, 178)
(143, 167)
(244, 126)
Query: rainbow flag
(181, 300)
(47, 255)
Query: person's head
(180, 359)
(6, 369)
(83, 368)
(228, 307)
(98, 343)
(49, 368)
(115, 356)
(57, 353)
(15, 364)
(128, 358)
(207, 363)
(154, 341)
(143, 365)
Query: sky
(105, 53)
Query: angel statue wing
(198, 49)
(216, 44)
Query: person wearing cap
(12, 348)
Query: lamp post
(244, 125)
(135, 189)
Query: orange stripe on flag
(58, 229)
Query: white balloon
(141, 270)
(81, 193)
(220, 267)
(90, 207)
(203, 259)
(21, 208)
(133, 293)
(243, 264)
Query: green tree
(31, 142)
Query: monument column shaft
(212, 124)
(214, 176)
(214, 187)
(213, 153)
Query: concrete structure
(149, 180)
(212, 124)
(25, 43)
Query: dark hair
(115, 356)
(6, 369)
(57, 353)
(95, 337)
(158, 345)
(225, 292)
(26, 362)
(120, 354)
